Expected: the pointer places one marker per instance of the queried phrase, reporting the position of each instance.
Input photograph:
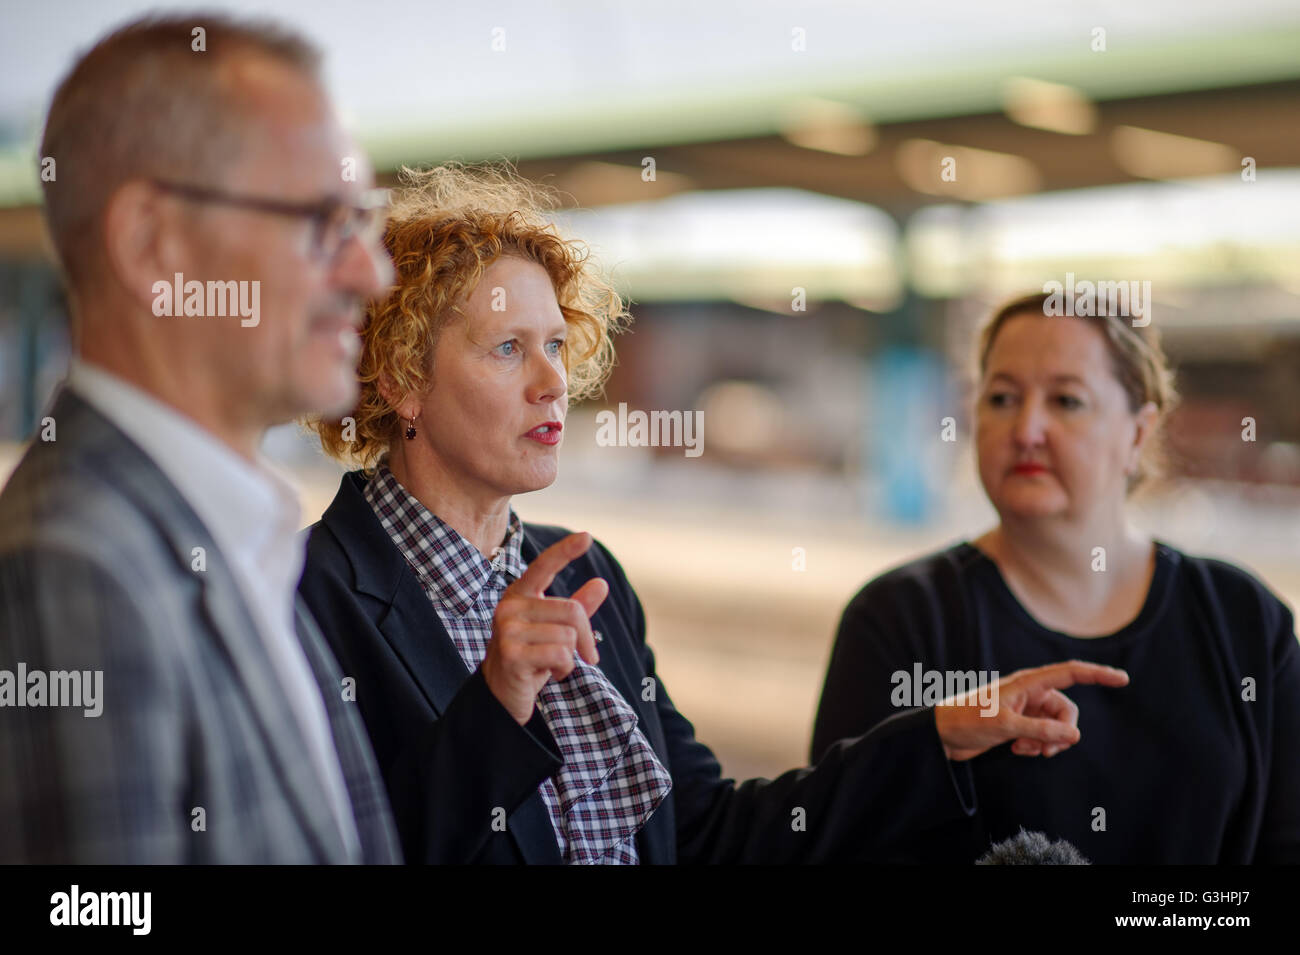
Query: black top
(453, 758)
(1174, 768)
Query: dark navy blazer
(453, 758)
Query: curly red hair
(446, 226)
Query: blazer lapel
(416, 633)
(108, 449)
(408, 621)
(280, 727)
(414, 630)
(370, 808)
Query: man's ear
(141, 240)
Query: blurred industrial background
(767, 182)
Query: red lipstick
(1029, 469)
(548, 433)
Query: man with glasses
(147, 554)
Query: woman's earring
(410, 431)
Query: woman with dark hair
(1201, 766)
(500, 667)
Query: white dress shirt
(253, 515)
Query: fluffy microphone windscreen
(1032, 848)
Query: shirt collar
(246, 507)
(449, 565)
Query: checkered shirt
(611, 781)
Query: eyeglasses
(333, 221)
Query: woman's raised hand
(534, 637)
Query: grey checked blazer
(95, 574)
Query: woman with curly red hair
(469, 638)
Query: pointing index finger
(539, 574)
(1059, 676)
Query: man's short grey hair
(148, 101)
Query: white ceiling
(397, 62)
